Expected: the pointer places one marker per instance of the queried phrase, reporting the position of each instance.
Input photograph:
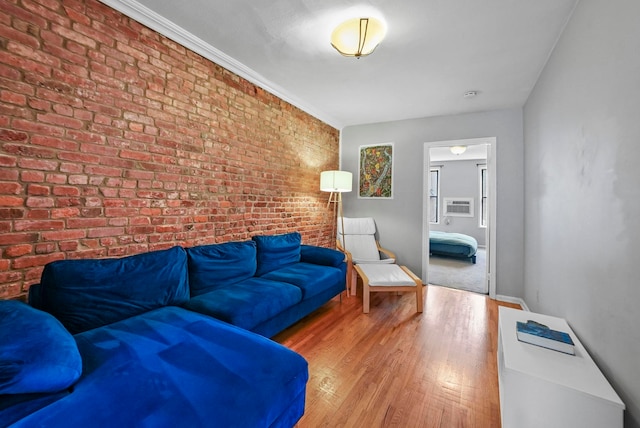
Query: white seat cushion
(362, 247)
(386, 275)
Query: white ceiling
(434, 51)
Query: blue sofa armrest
(321, 256)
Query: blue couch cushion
(321, 255)
(175, 368)
(89, 293)
(247, 303)
(37, 354)
(213, 266)
(311, 278)
(275, 251)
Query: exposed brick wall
(115, 140)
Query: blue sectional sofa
(176, 337)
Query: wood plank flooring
(394, 367)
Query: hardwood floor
(394, 367)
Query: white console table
(540, 387)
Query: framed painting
(375, 171)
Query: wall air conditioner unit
(458, 207)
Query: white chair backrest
(359, 238)
(357, 226)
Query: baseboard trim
(509, 299)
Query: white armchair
(360, 246)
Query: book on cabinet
(538, 334)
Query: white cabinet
(540, 387)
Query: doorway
(459, 199)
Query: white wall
(399, 220)
(582, 189)
(461, 179)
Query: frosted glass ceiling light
(358, 37)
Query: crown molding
(162, 25)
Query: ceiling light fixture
(458, 150)
(358, 37)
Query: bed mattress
(452, 244)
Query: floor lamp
(336, 182)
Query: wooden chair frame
(352, 277)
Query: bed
(453, 245)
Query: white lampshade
(335, 181)
(358, 36)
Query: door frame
(491, 228)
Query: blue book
(539, 334)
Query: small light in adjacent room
(358, 37)
(458, 150)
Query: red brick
(37, 214)
(86, 223)
(56, 143)
(56, 119)
(56, 178)
(38, 190)
(32, 276)
(11, 213)
(66, 191)
(39, 164)
(78, 179)
(80, 158)
(38, 128)
(86, 254)
(39, 202)
(11, 201)
(11, 188)
(18, 250)
(29, 151)
(64, 235)
(32, 176)
(45, 248)
(17, 238)
(105, 231)
(68, 246)
(68, 202)
(12, 97)
(65, 212)
(7, 277)
(39, 260)
(8, 161)
(101, 170)
(71, 168)
(13, 136)
(37, 225)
